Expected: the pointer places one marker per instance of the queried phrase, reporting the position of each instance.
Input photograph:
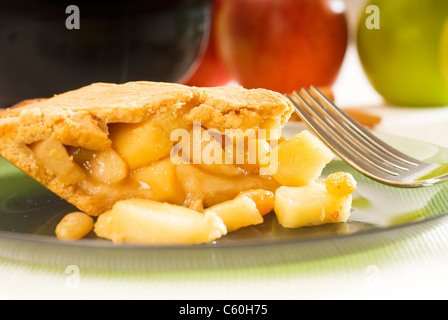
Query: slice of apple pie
(191, 157)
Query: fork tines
(348, 139)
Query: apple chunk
(104, 166)
(301, 160)
(211, 189)
(310, 205)
(264, 199)
(237, 213)
(161, 177)
(140, 144)
(53, 154)
(139, 221)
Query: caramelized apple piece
(53, 155)
(301, 160)
(140, 144)
(161, 177)
(310, 205)
(264, 199)
(273, 128)
(149, 222)
(226, 170)
(200, 146)
(104, 166)
(199, 185)
(237, 213)
(206, 151)
(197, 205)
(233, 155)
(247, 152)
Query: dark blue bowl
(45, 49)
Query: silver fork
(357, 146)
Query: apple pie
(124, 153)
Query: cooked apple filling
(236, 185)
(141, 163)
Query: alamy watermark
(73, 279)
(373, 21)
(373, 277)
(73, 21)
(235, 146)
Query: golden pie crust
(81, 118)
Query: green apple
(445, 50)
(405, 51)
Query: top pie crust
(80, 118)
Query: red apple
(282, 45)
(211, 71)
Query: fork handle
(436, 180)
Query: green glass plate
(381, 214)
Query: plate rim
(95, 244)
